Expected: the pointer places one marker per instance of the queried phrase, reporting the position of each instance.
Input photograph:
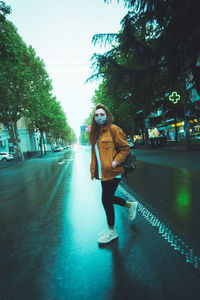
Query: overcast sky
(61, 33)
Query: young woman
(106, 165)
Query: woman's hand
(114, 164)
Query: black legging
(108, 199)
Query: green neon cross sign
(174, 97)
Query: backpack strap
(124, 175)
(112, 136)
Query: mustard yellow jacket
(108, 153)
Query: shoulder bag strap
(112, 136)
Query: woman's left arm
(122, 145)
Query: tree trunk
(132, 128)
(143, 133)
(146, 134)
(132, 118)
(14, 138)
(187, 128)
(44, 143)
(41, 141)
(183, 59)
(176, 129)
(187, 124)
(145, 129)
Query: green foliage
(14, 74)
(4, 10)
(26, 89)
(151, 56)
(176, 32)
(128, 84)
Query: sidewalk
(12, 163)
(179, 146)
(180, 159)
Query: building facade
(29, 139)
(167, 128)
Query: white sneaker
(103, 232)
(132, 211)
(108, 236)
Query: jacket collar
(105, 128)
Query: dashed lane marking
(65, 161)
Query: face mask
(100, 120)
(100, 117)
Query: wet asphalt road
(167, 182)
(50, 217)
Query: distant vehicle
(57, 149)
(195, 136)
(6, 156)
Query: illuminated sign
(193, 121)
(174, 97)
(85, 128)
(178, 124)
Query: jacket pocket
(106, 143)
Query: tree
(71, 137)
(14, 80)
(117, 105)
(4, 10)
(153, 53)
(130, 73)
(175, 34)
(48, 117)
(26, 90)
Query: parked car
(195, 136)
(6, 156)
(57, 149)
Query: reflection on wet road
(184, 197)
(173, 193)
(50, 216)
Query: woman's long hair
(94, 131)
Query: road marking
(59, 180)
(176, 242)
(65, 161)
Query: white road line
(59, 180)
(65, 161)
(176, 242)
